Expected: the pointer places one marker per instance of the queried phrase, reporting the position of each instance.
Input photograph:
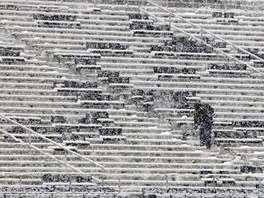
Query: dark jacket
(203, 114)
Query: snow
(237, 159)
(199, 151)
(149, 150)
(167, 133)
(184, 117)
(228, 163)
(185, 145)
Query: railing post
(253, 4)
(29, 140)
(70, 183)
(119, 184)
(139, 6)
(65, 156)
(214, 179)
(102, 181)
(170, 20)
(167, 181)
(193, 4)
(92, 150)
(201, 34)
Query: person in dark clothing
(203, 117)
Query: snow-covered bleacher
(94, 96)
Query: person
(203, 117)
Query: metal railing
(255, 5)
(202, 31)
(67, 150)
(233, 4)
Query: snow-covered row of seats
(24, 104)
(224, 24)
(23, 166)
(251, 119)
(72, 91)
(132, 129)
(217, 4)
(213, 68)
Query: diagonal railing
(202, 32)
(42, 152)
(256, 5)
(30, 131)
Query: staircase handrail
(42, 152)
(233, 4)
(204, 31)
(53, 142)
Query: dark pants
(205, 135)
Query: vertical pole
(167, 181)
(70, 184)
(143, 192)
(206, 4)
(119, 185)
(29, 140)
(246, 7)
(139, 6)
(202, 34)
(92, 150)
(214, 179)
(193, 6)
(102, 182)
(170, 20)
(65, 156)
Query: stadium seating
(102, 91)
